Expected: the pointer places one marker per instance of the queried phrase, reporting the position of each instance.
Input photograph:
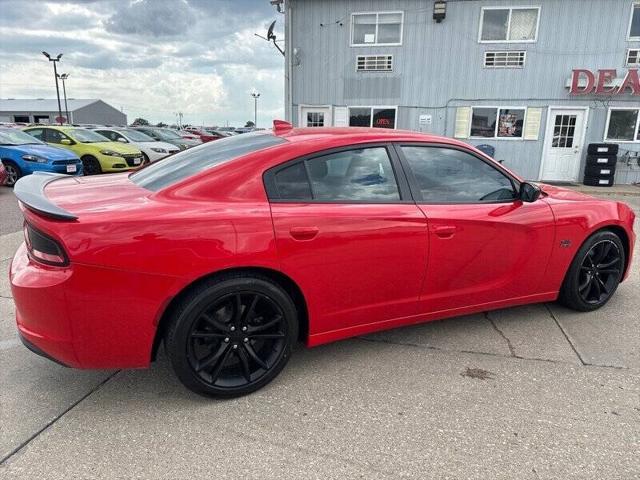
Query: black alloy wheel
(91, 166)
(595, 273)
(600, 272)
(13, 173)
(231, 337)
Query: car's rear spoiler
(30, 191)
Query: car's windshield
(10, 136)
(86, 136)
(136, 136)
(177, 167)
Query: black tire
(599, 171)
(145, 159)
(602, 160)
(218, 337)
(13, 172)
(90, 165)
(599, 181)
(602, 149)
(583, 288)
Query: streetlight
(63, 77)
(255, 96)
(55, 74)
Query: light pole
(55, 74)
(255, 96)
(63, 77)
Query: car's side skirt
(363, 329)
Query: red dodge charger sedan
(230, 252)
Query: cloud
(151, 57)
(156, 18)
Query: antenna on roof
(271, 37)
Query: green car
(98, 153)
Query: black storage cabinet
(600, 168)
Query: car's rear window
(182, 165)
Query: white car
(150, 148)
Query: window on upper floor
(633, 57)
(623, 125)
(634, 22)
(376, 28)
(492, 122)
(509, 24)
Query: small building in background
(45, 111)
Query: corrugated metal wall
(440, 66)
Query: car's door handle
(304, 233)
(445, 231)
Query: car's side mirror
(122, 140)
(529, 192)
(66, 141)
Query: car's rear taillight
(44, 249)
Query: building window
(514, 24)
(623, 125)
(315, 119)
(381, 28)
(377, 117)
(509, 59)
(493, 122)
(634, 22)
(633, 57)
(374, 63)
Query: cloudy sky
(151, 58)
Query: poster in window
(510, 123)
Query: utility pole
(255, 96)
(55, 74)
(63, 77)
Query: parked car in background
(226, 129)
(98, 153)
(244, 129)
(187, 135)
(151, 149)
(21, 154)
(168, 135)
(203, 134)
(3, 175)
(213, 131)
(312, 234)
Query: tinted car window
(110, 134)
(292, 183)
(55, 136)
(446, 175)
(363, 175)
(357, 175)
(182, 165)
(37, 133)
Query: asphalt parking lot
(536, 392)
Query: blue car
(22, 154)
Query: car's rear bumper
(87, 316)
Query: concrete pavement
(535, 392)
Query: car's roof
(360, 134)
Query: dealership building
(41, 110)
(536, 80)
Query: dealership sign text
(604, 82)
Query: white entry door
(315, 117)
(563, 144)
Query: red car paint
(360, 267)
